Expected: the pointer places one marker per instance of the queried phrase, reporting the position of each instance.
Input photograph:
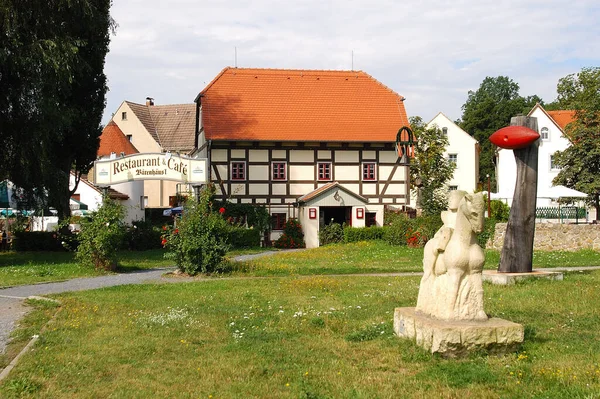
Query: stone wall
(556, 237)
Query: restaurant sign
(150, 166)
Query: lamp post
(489, 196)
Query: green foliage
(415, 232)
(332, 233)
(292, 237)
(580, 162)
(241, 237)
(357, 234)
(36, 241)
(52, 86)
(488, 109)
(429, 169)
(199, 242)
(499, 210)
(142, 236)
(101, 236)
(489, 228)
(256, 216)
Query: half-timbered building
(309, 144)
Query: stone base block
(458, 338)
(495, 277)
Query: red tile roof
(112, 139)
(300, 105)
(562, 118)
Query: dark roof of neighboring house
(172, 126)
(112, 139)
(247, 104)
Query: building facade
(314, 145)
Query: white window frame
(362, 171)
(330, 171)
(547, 131)
(455, 160)
(551, 164)
(285, 171)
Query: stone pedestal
(456, 338)
(498, 278)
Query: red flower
(164, 228)
(175, 231)
(222, 210)
(164, 242)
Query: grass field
(303, 337)
(359, 258)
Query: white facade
(552, 140)
(92, 197)
(462, 148)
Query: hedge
(36, 241)
(241, 237)
(355, 234)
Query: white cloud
(432, 52)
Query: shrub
(36, 241)
(414, 232)
(249, 215)
(199, 242)
(101, 236)
(488, 232)
(331, 234)
(355, 234)
(142, 235)
(240, 237)
(499, 210)
(292, 235)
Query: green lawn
(303, 337)
(359, 258)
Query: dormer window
(545, 133)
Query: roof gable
(300, 105)
(450, 122)
(112, 140)
(560, 118)
(172, 126)
(332, 190)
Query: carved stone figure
(451, 287)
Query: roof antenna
(235, 56)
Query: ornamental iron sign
(150, 166)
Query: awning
(77, 205)
(173, 211)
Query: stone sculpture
(452, 287)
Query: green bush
(241, 237)
(488, 232)
(499, 211)
(356, 234)
(248, 215)
(142, 236)
(36, 241)
(330, 234)
(292, 237)
(101, 236)
(199, 242)
(417, 231)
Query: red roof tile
(300, 105)
(112, 139)
(562, 118)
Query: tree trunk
(517, 252)
(597, 205)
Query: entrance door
(335, 214)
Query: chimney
(149, 101)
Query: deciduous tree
(52, 91)
(429, 169)
(580, 162)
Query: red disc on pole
(514, 137)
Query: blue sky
(431, 52)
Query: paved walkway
(11, 299)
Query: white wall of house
(507, 168)
(462, 147)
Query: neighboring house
(113, 143)
(308, 144)
(463, 150)
(159, 128)
(551, 125)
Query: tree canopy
(580, 162)
(429, 169)
(488, 109)
(52, 91)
